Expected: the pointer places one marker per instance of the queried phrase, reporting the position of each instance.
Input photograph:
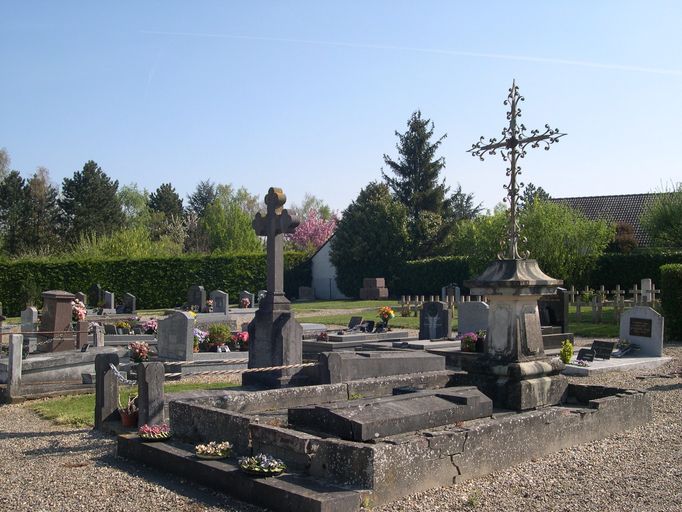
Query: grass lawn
(343, 304)
(79, 410)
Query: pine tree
(42, 215)
(167, 201)
(13, 208)
(90, 203)
(203, 195)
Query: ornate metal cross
(512, 146)
(273, 225)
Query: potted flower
(386, 313)
(245, 303)
(241, 340)
(154, 432)
(261, 465)
(480, 342)
(129, 413)
(213, 450)
(199, 339)
(139, 351)
(469, 342)
(122, 327)
(78, 311)
(209, 305)
(150, 326)
(218, 336)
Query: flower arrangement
(213, 450)
(386, 313)
(566, 351)
(78, 311)
(122, 324)
(322, 337)
(209, 305)
(245, 302)
(154, 432)
(199, 339)
(580, 362)
(139, 351)
(262, 465)
(469, 341)
(150, 326)
(241, 340)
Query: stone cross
(276, 222)
(635, 293)
(511, 147)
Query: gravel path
(48, 467)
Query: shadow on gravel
(51, 433)
(667, 387)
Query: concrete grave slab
(622, 364)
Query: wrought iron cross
(273, 225)
(512, 146)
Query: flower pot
(480, 345)
(128, 420)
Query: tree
(5, 162)
(135, 205)
(229, 228)
(531, 193)
(625, 241)
(462, 206)
(167, 201)
(371, 238)
(313, 231)
(312, 204)
(663, 218)
(479, 239)
(42, 214)
(203, 195)
(13, 208)
(90, 203)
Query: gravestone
(109, 300)
(553, 309)
(354, 322)
(374, 418)
(261, 295)
(306, 293)
(472, 316)
(109, 329)
(646, 285)
(275, 337)
(373, 288)
(643, 326)
(95, 296)
(81, 297)
(29, 323)
(603, 349)
(247, 295)
(129, 303)
(56, 321)
(196, 298)
(175, 337)
(220, 301)
(150, 379)
(435, 321)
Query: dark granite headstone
(150, 378)
(364, 420)
(603, 349)
(106, 389)
(585, 354)
(220, 301)
(95, 296)
(247, 295)
(553, 309)
(196, 298)
(435, 321)
(129, 303)
(354, 322)
(109, 300)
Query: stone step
(286, 493)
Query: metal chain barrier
(252, 370)
(119, 376)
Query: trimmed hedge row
(628, 269)
(428, 276)
(156, 282)
(671, 300)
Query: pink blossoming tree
(313, 231)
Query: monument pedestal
(514, 370)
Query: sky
(307, 95)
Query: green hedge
(671, 300)
(428, 276)
(156, 282)
(629, 269)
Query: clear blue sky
(307, 95)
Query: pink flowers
(150, 326)
(139, 351)
(313, 231)
(241, 339)
(154, 430)
(78, 311)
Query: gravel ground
(48, 467)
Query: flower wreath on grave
(78, 311)
(154, 432)
(213, 450)
(139, 351)
(261, 465)
(469, 341)
(241, 340)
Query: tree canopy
(663, 218)
(166, 200)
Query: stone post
(82, 334)
(106, 389)
(16, 346)
(98, 336)
(150, 378)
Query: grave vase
(129, 419)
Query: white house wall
(324, 275)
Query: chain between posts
(119, 376)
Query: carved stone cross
(273, 225)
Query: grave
(109, 307)
(643, 326)
(55, 322)
(129, 304)
(29, 323)
(220, 300)
(176, 337)
(196, 298)
(95, 296)
(553, 309)
(472, 316)
(435, 321)
(373, 288)
(244, 294)
(81, 297)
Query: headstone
(373, 418)
(306, 293)
(14, 363)
(82, 333)
(553, 309)
(472, 316)
(196, 298)
(373, 288)
(109, 300)
(435, 321)
(106, 389)
(29, 323)
(98, 335)
(247, 295)
(354, 322)
(81, 297)
(261, 295)
(129, 303)
(95, 296)
(646, 290)
(150, 379)
(603, 349)
(643, 326)
(220, 301)
(585, 354)
(275, 337)
(109, 329)
(56, 321)
(176, 337)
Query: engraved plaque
(640, 327)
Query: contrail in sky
(458, 53)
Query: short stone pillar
(16, 346)
(56, 321)
(150, 399)
(98, 336)
(82, 334)
(106, 390)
